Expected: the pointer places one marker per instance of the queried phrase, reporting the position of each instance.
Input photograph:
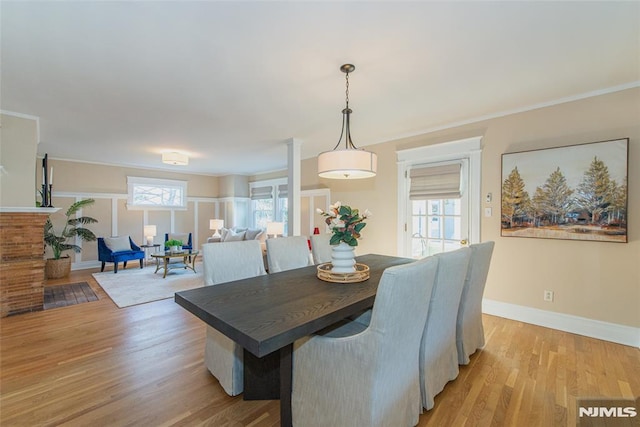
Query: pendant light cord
(345, 120)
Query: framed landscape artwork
(577, 192)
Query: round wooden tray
(360, 275)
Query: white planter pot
(174, 249)
(343, 258)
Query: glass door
(437, 225)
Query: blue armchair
(185, 238)
(119, 253)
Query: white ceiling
(229, 82)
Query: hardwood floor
(93, 364)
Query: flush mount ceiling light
(350, 162)
(175, 158)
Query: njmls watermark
(608, 412)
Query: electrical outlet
(488, 198)
(548, 296)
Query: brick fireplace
(21, 261)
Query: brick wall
(21, 262)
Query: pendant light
(350, 162)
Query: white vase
(343, 258)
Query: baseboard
(83, 265)
(613, 332)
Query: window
(439, 197)
(436, 226)
(151, 193)
(269, 202)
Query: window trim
(275, 185)
(133, 181)
(469, 148)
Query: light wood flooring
(94, 364)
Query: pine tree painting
(579, 192)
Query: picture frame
(575, 192)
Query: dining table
(266, 314)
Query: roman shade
(435, 182)
(262, 193)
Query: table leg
(166, 267)
(286, 383)
(261, 377)
(193, 263)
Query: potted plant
(173, 245)
(60, 266)
(346, 225)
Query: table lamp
(275, 228)
(150, 232)
(216, 224)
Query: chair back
(402, 305)
(438, 352)
(469, 329)
(320, 248)
(287, 253)
(185, 238)
(229, 261)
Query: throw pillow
(234, 237)
(253, 234)
(118, 244)
(223, 233)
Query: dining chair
(469, 329)
(226, 262)
(320, 248)
(438, 351)
(287, 253)
(367, 375)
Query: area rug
(141, 285)
(65, 295)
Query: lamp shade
(150, 230)
(347, 164)
(216, 224)
(275, 228)
(175, 158)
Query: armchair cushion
(118, 244)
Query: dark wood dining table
(266, 314)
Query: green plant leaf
(75, 207)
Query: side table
(148, 250)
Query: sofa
(236, 234)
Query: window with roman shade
(268, 202)
(435, 182)
(262, 193)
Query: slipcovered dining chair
(226, 262)
(287, 253)
(359, 375)
(320, 248)
(438, 352)
(469, 329)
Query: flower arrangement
(346, 223)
